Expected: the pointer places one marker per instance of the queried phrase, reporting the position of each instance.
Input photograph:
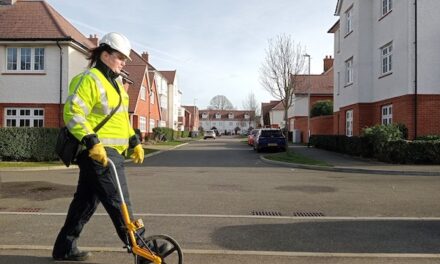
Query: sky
(216, 46)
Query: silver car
(209, 134)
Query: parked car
(270, 138)
(209, 134)
(251, 137)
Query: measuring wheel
(163, 246)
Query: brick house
(386, 65)
(266, 109)
(311, 89)
(227, 120)
(192, 122)
(144, 107)
(40, 52)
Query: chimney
(328, 62)
(145, 56)
(7, 2)
(93, 39)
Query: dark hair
(96, 53)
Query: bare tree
(283, 62)
(250, 103)
(220, 102)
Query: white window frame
(143, 124)
(152, 125)
(218, 115)
(31, 60)
(23, 117)
(152, 97)
(387, 114)
(349, 21)
(231, 116)
(143, 92)
(386, 59)
(349, 71)
(204, 115)
(349, 123)
(246, 116)
(387, 6)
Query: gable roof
(338, 8)
(319, 84)
(137, 68)
(37, 20)
(169, 75)
(224, 114)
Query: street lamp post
(308, 100)
(194, 116)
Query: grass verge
(12, 164)
(293, 157)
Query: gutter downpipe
(61, 84)
(415, 71)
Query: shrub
(322, 108)
(163, 133)
(28, 144)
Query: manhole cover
(27, 210)
(266, 213)
(308, 214)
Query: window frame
(349, 123)
(349, 71)
(386, 7)
(348, 21)
(32, 59)
(388, 57)
(386, 118)
(143, 92)
(20, 115)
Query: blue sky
(217, 47)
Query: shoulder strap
(98, 127)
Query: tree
(283, 62)
(220, 102)
(250, 103)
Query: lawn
(293, 157)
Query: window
(349, 71)
(246, 116)
(231, 124)
(24, 117)
(387, 114)
(387, 5)
(143, 92)
(230, 115)
(205, 115)
(25, 59)
(349, 21)
(218, 115)
(386, 54)
(153, 125)
(338, 83)
(142, 124)
(349, 123)
(152, 98)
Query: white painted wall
(371, 31)
(44, 88)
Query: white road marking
(359, 218)
(244, 252)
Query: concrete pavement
(345, 163)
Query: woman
(93, 95)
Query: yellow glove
(138, 154)
(97, 152)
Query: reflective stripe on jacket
(91, 98)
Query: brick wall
(321, 125)
(52, 113)
(365, 115)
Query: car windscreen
(271, 133)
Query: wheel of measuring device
(165, 247)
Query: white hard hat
(118, 42)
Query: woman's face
(115, 60)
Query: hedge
(28, 144)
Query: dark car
(270, 138)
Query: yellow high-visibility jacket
(91, 98)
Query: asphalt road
(224, 205)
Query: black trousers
(96, 184)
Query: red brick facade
(53, 116)
(369, 114)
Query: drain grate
(308, 214)
(27, 210)
(266, 213)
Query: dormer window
(230, 115)
(218, 115)
(205, 115)
(246, 116)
